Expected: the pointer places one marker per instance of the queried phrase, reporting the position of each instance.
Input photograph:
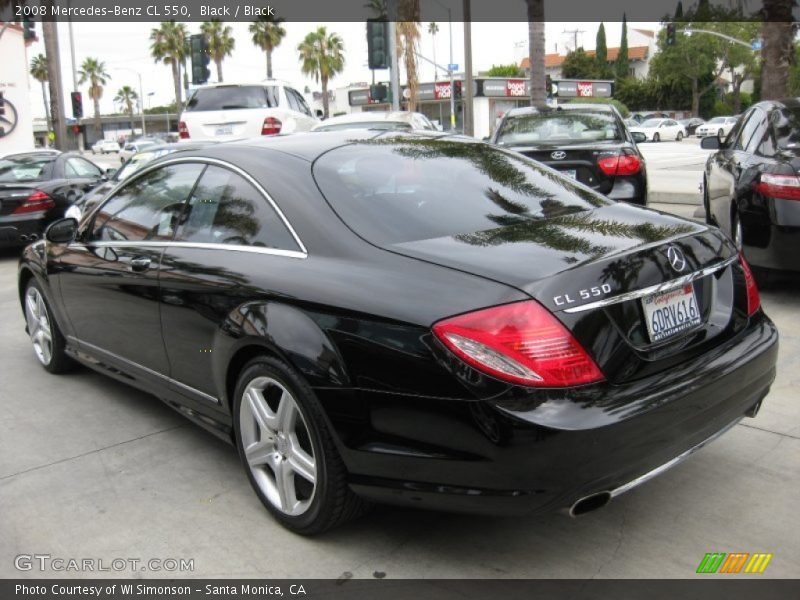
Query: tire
(679, 137)
(47, 339)
(656, 137)
(284, 441)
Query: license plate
(669, 313)
(226, 130)
(571, 173)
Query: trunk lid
(596, 269)
(12, 195)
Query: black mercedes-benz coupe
(417, 319)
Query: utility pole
(574, 33)
(466, 92)
(50, 34)
(74, 73)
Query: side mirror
(710, 143)
(62, 231)
(638, 137)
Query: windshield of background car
(22, 169)
(136, 162)
(229, 97)
(375, 125)
(786, 128)
(651, 123)
(401, 188)
(717, 120)
(559, 127)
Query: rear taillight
(753, 298)
(183, 131)
(271, 126)
(785, 187)
(38, 201)
(620, 164)
(522, 343)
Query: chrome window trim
(654, 289)
(199, 245)
(148, 370)
(302, 253)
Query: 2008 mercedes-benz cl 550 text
(407, 318)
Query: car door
(108, 277)
(231, 241)
(301, 111)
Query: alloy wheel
(39, 325)
(277, 446)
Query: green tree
(603, 69)
(267, 34)
(220, 42)
(169, 44)
(511, 70)
(579, 65)
(433, 29)
(126, 96)
(39, 73)
(622, 67)
(94, 73)
(322, 57)
(740, 62)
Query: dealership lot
(90, 468)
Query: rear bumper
(18, 233)
(771, 234)
(524, 454)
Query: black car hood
(620, 245)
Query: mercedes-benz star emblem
(8, 118)
(676, 258)
(559, 154)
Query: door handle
(140, 264)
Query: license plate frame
(570, 173)
(223, 130)
(670, 313)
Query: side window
(747, 129)
(148, 208)
(290, 98)
(758, 131)
(78, 168)
(302, 102)
(226, 209)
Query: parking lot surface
(90, 468)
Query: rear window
(376, 125)
(559, 127)
(229, 97)
(21, 169)
(405, 188)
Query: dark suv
(586, 142)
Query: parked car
(88, 201)
(135, 147)
(225, 112)
(585, 142)
(752, 185)
(410, 318)
(656, 130)
(36, 188)
(400, 120)
(718, 126)
(105, 147)
(691, 125)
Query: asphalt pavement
(90, 468)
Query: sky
(124, 47)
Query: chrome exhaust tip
(23, 238)
(589, 503)
(33, 237)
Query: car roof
(243, 83)
(402, 116)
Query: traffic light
(458, 91)
(378, 92)
(200, 59)
(671, 34)
(377, 44)
(77, 129)
(29, 28)
(77, 105)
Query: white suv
(226, 111)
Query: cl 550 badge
(585, 294)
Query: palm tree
(536, 51)
(778, 34)
(39, 73)
(407, 36)
(94, 72)
(322, 56)
(433, 29)
(169, 45)
(220, 42)
(267, 35)
(127, 96)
